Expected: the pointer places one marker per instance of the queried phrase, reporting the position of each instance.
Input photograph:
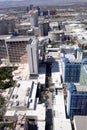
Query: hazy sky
(50, 1)
(67, 1)
(12, 3)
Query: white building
(56, 35)
(32, 50)
(60, 122)
(23, 105)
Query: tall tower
(31, 6)
(43, 28)
(32, 50)
(39, 11)
(34, 18)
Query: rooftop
(59, 121)
(41, 125)
(76, 87)
(81, 88)
(18, 38)
(61, 124)
(57, 31)
(39, 113)
(80, 122)
(52, 53)
(10, 113)
(70, 57)
(59, 108)
(78, 31)
(22, 93)
(54, 24)
(4, 37)
(25, 24)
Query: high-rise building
(71, 70)
(16, 48)
(76, 100)
(43, 28)
(39, 11)
(7, 26)
(45, 13)
(31, 6)
(32, 50)
(34, 18)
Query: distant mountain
(13, 3)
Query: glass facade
(72, 72)
(76, 102)
(84, 55)
(16, 49)
(3, 51)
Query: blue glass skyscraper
(39, 11)
(71, 70)
(76, 100)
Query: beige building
(16, 47)
(3, 47)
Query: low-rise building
(60, 121)
(23, 106)
(56, 35)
